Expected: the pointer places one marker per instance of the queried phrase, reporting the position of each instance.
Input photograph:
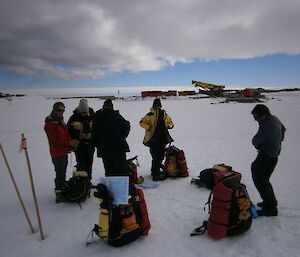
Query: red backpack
(229, 206)
(175, 162)
(143, 212)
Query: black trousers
(262, 169)
(116, 165)
(85, 157)
(60, 167)
(158, 154)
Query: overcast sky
(71, 40)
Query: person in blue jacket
(267, 141)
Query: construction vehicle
(209, 89)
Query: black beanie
(108, 104)
(156, 103)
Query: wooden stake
(17, 190)
(24, 146)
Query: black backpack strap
(132, 159)
(200, 230)
(208, 202)
(90, 238)
(197, 182)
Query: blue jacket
(269, 136)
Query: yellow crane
(210, 89)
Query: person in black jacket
(268, 143)
(80, 128)
(109, 134)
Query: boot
(267, 213)
(159, 176)
(261, 204)
(60, 197)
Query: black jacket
(109, 133)
(80, 125)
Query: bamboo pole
(24, 146)
(17, 190)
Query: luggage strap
(200, 230)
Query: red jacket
(58, 137)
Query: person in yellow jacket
(156, 124)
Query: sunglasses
(60, 110)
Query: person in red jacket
(60, 144)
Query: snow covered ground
(208, 131)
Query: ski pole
(24, 146)
(17, 190)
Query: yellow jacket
(149, 122)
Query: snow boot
(61, 198)
(260, 204)
(160, 176)
(267, 213)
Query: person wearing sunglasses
(60, 145)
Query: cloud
(72, 39)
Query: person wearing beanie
(109, 134)
(267, 141)
(156, 103)
(80, 127)
(108, 104)
(156, 124)
(83, 105)
(60, 144)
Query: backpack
(209, 177)
(175, 162)
(77, 188)
(229, 207)
(121, 224)
(133, 164)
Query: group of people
(107, 130)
